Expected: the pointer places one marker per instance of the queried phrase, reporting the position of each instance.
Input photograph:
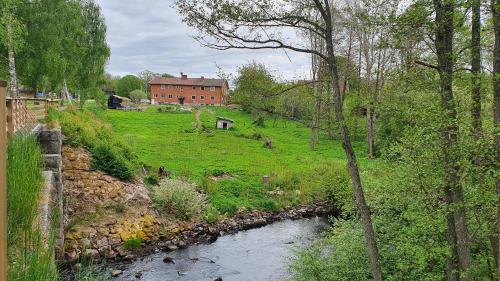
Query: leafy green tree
(64, 45)
(128, 84)
(254, 87)
(137, 95)
(95, 50)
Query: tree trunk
(13, 88)
(476, 69)
(449, 133)
(370, 129)
(65, 92)
(352, 162)
(316, 119)
(452, 273)
(495, 7)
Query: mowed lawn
(170, 139)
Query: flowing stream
(261, 254)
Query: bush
(218, 172)
(110, 153)
(333, 186)
(340, 256)
(210, 214)
(109, 160)
(260, 121)
(178, 197)
(137, 95)
(52, 119)
(132, 243)
(152, 179)
(89, 272)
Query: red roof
(208, 82)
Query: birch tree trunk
(65, 92)
(13, 87)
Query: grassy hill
(203, 154)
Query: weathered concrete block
(50, 140)
(45, 204)
(53, 162)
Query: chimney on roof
(183, 76)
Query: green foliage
(52, 119)
(333, 185)
(178, 197)
(340, 256)
(132, 243)
(110, 153)
(152, 179)
(30, 257)
(210, 214)
(260, 121)
(127, 84)
(58, 41)
(137, 95)
(89, 272)
(253, 88)
(25, 182)
(110, 160)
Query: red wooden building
(191, 91)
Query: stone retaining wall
(51, 206)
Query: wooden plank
(3, 183)
(34, 99)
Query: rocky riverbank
(108, 219)
(209, 232)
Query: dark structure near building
(115, 101)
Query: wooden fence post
(3, 183)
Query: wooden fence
(23, 114)
(3, 184)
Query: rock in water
(168, 259)
(218, 279)
(116, 273)
(138, 275)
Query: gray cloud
(149, 34)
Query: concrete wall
(51, 206)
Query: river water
(261, 254)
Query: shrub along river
(257, 254)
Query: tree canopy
(58, 41)
(127, 84)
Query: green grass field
(169, 139)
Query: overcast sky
(149, 34)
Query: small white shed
(224, 123)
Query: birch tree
(12, 39)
